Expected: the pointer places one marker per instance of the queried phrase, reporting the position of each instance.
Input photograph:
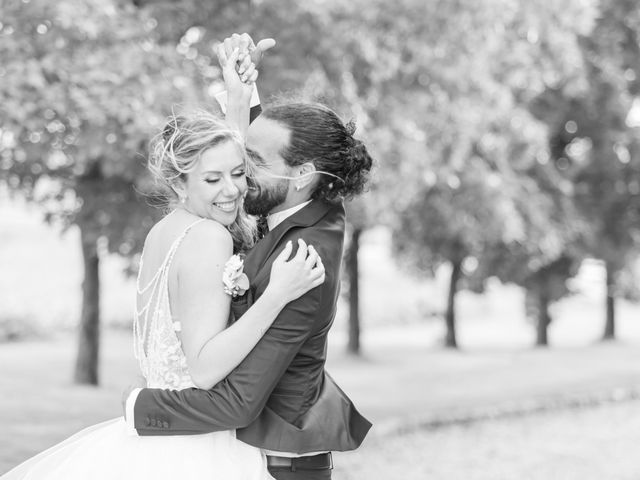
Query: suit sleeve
(237, 400)
(254, 112)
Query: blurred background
(488, 325)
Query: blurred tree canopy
(475, 192)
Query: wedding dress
(109, 451)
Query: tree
(459, 220)
(592, 140)
(470, 138)
(541, 265)
(358, 214)
(84, 87)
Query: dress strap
(177, 326)
(167, 259)
(174, 247)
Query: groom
(280, 398)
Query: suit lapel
(308, 215)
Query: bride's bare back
(157, 344)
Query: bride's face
(215, 188)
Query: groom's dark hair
(319, 136)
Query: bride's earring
(182, 197)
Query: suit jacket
(279, 398)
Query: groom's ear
(305, 173)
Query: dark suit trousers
(281, 474)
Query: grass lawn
(599, 443)
(394, 385)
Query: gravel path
(596, 443)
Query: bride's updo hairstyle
(175, 151)
(319, 136)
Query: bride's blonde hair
(175, 151)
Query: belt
(322, 461)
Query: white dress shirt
(275, 219)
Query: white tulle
(107, 451)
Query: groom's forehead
(267, 137)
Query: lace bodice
(156, 343)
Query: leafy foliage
(84, 88)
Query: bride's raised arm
(239, 84)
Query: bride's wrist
(239, 98)
(274, 298)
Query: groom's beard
(261, 200)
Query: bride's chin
(224, 219)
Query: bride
(184, 289)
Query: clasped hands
(241, 52)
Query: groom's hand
(249, 52)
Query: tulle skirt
(107, 451)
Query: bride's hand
(235, 83)
(253, 52)
(290, 279)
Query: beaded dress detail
(156, 344)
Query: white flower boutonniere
(236, 283)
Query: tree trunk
(544, 319)
(450, 340)
(86, 371)
(353, 346)
(610, 322)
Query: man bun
(357, 166)
(319, 136)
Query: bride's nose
(230, 188)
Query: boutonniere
(236, 282)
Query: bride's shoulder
(208, 237)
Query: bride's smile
(215, 186)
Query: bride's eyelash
(239, 173)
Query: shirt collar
(275, 219)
